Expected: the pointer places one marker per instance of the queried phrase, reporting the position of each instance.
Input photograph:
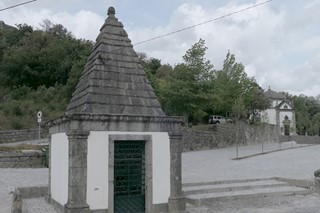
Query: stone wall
(22, 160)
(301, 139)
(19, 135)
(263, 133)
(219, 136)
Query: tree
(164, 71)
(195, 60)
(39, 69)
(185, 91)
(150, 65)
(42, 58)
(307, 111)
(55, 29)
(232, 82)
(316, 124)
(257, 99)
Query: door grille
(129, 176)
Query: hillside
(38, 71)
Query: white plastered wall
(269, 116)
(283, 115)
(97, 186)
(161, 167)
(275, 103)
(59, 167)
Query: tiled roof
(113, 81)
(274, 95)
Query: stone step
(202, 194)
(211, 189)
(184, 185)
(230, 184)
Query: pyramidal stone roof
(113, 81)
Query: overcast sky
(278, 43)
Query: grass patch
(210, 127)
(202, 127)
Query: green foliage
(20, 110)
(307, 114)
(39, 70)
(232, 82)
(193, 89)
(74, 76)
(315, 124)
(195, 60)
(184, 92)
(42, 57)
(239, 109)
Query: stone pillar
(48, 196)
(176, 200)
(77, 182)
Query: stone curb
(33, 192)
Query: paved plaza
(204, 166)
(218, 164)
(10, 178)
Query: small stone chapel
(115, 150)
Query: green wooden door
(129, 177)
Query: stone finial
(111, 11)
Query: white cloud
(83, 24)
(263, 39)
(250, 35)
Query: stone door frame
(148, 168)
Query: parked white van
(217, 119)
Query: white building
(280, 113)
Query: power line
(174, 32)
(17, 5)
(202, 23)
